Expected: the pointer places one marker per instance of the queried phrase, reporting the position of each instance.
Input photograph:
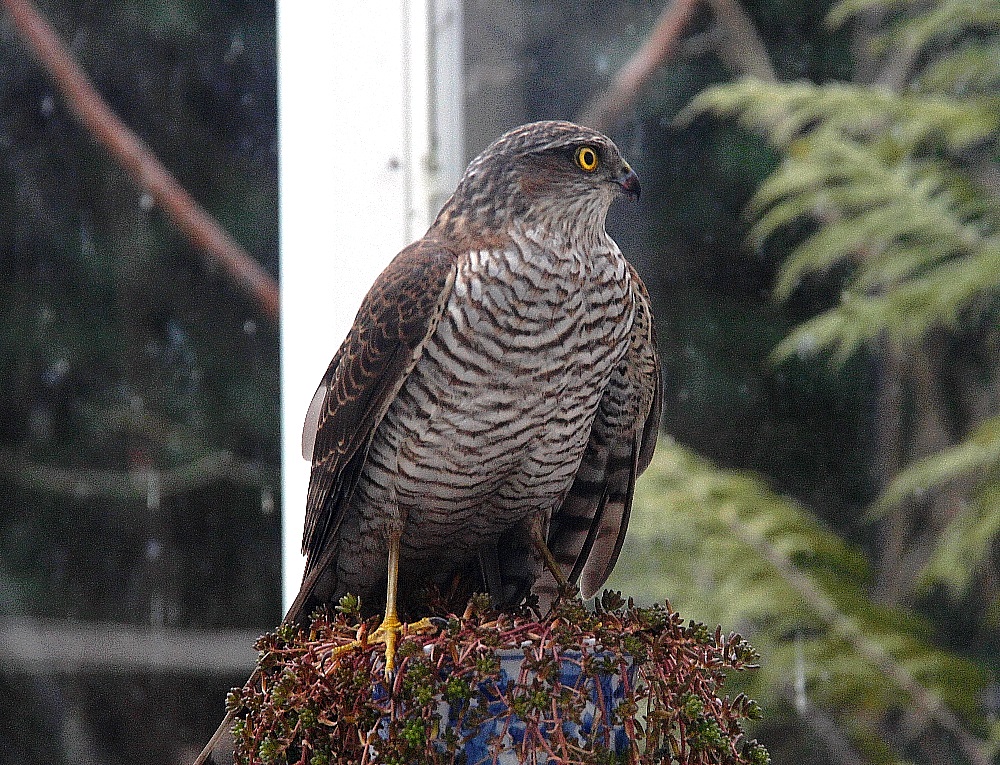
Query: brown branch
(607, 108)
(889, 457)
(201, 229)
(741, 49)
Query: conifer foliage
(888, 188)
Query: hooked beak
(629, 182)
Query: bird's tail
(220, 749)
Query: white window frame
(371, 142)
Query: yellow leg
(391, 628)
(388, 631)
(550, 562)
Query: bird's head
(548, 173)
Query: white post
(357, 180)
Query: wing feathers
(587, 533)
(396, 318)
(316, 406)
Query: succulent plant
(616, 683)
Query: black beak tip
(629, 182)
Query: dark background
(124, 352)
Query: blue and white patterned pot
(500, 740)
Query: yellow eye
(586, 158)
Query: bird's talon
(421, 627)
(388, 632)
(345, 648)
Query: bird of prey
(487, 415)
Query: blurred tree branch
(927, 704)
(740, 47)
(136, 483)
(201, 229)
(826, 729)
(608, 107)
(743, 51)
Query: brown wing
(396, 318)
(587, 532)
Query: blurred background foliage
(855, 297)
(139, 442)
(821, 243)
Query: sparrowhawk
(496, 397)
